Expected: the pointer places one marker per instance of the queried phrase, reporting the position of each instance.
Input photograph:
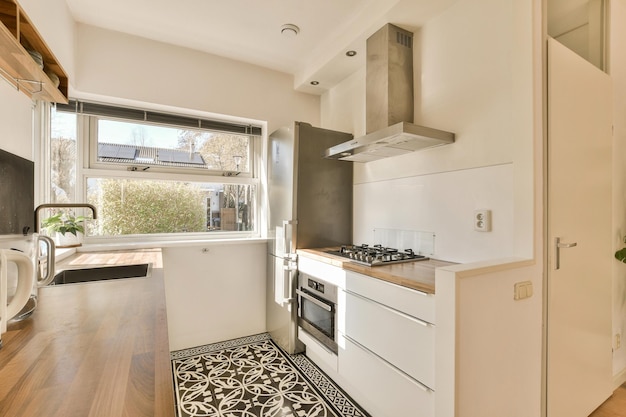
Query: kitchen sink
(72, 276)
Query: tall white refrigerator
(310, 206)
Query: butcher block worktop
(92, 349)
(418, 275)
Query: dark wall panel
(17, 194)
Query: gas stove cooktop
(376, 255)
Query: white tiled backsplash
(422, 243)
(442, 204)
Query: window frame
(87, 167)
(93, 163)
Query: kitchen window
(151, 173)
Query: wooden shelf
(17, 36)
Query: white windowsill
(62, 253)
(93, 247)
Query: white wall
(436, 203)
(216, 295)
(343, 107)
(112, 64)
(617, 69)
(474, 73)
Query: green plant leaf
(63, 223)
(620, 255)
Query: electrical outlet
(482, 220)
(618, 341)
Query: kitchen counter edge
(418, 275)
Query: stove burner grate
(377, 254)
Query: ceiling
(250, 30)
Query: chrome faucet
(63, 205)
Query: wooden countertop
(91, 349)
(419, 275)
(110, 258)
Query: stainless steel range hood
(389, 103)
(394, 140)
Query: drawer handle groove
(390, 365)
(391, 309)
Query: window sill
(148, 244)
(63, 253)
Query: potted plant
(66, 229)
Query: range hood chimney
(389, 103)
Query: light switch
(523, 290)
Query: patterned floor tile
(252, 377)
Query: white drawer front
(381, 389)
(412, 302)
(401, 340)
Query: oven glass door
(317, 312)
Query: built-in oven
(317, 309)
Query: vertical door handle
(289, 271)
(558, 245)
(288, 249)
(286, 224)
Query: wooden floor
(614, 406)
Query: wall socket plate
(522, 290)
(482, 220)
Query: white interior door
(579, 374)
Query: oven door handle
(314, 300)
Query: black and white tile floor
(252, 377)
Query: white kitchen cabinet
(380, 388)
(211, 295)
(387, 346)
(415, 303)
(386, 358)
(402, 340)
